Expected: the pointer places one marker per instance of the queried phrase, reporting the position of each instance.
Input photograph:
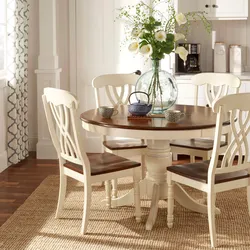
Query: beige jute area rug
(33, 225)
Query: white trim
(72, 47)
(45, 150)
(3, 126)
(3, 161)
(32, 142)
(2, 83)
(48, 71)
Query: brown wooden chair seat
(104, 163)
(124, 144)
(201, 172)
(198, 143)
(61, 112)
(215, 176)
(117, 88)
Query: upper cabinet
(217, 9)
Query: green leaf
(148, 26)
(170, 37)
(151, 19)
(142, 43)
(168, 48)
(146, 36)
(157, 24)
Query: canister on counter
(235, 58)
(220, 57)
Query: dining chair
(60, 110)
(116, 88)
(216, 176)
(216, 85)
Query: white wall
(62, 51)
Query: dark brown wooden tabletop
(195, 117)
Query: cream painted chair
(216, 86)
(218, 176)
(116, 88)
(60, 109)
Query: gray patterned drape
(17, 73)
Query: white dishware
(235, 58)
(173, 115)
(107, 112)
(220, 57)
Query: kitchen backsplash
(230, 32)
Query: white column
(48, 73)
(3, 126)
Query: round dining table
(158, 133)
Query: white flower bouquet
(153, 34)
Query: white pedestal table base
(158, 157)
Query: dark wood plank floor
(18, 182)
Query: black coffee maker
(192, 64)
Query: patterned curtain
(17, 73)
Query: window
(3, 33)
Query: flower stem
(154, 88)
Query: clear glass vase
(160, 86)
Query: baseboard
(247, 68)
(45, 150)
(3, 161)
(32, 143)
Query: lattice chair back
(217, 85)
(60, 109)
(238, 108)
(117, 88)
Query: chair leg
(211, 197)
(86, 207)
(204, 194)
(108, 193)
(143, 166)
(137, 198)
(175, 157)
(248, 199)
(192, 159)
(114, 188)
(62, 194)
(170, 217)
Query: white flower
(160, 35)
(178, 36)
(146, 50)
(182, 53)
(133, 47)
(142, 32)
(135, 32)
(180, 19)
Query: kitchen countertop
(186, 78)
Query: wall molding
(2, 82)
(72, 47)
(32, 142)
(3, 161)
(48, 73)
(3, 125)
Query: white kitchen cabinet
(185, 6)
(216, 9)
